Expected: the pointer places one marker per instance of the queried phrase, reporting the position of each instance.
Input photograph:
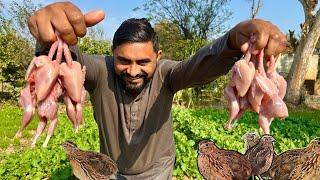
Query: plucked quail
(261, 155)
(88, 164)
(215, 163)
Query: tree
(195, 18)
(95, 42)
(19, 12)
(15, 53)
(16, 44)
(255, 7)
(173, 44)
(97, 47)
(309, 38)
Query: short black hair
(135, 30)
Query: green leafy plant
(190, 126)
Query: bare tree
(194, 17)
(309, 38)
(255, 7)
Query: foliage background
(19, 161)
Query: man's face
(135, 64)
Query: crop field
(19, 161)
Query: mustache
(140, 75)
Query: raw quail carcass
(237, 106)
(242, 74)
(276, 78)
(45, 72)
(261, 86)
(271, 107)
(74, 111)
(272, 104)
(216, 163)
(47, 110)
(88, 164)
(261, 155)
(28, 103)
(72, 78)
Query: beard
(132, 87)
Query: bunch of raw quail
(89, 165)
(48, 79)
(256, 89)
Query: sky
(286, 14)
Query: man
(132, 92)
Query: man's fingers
(77, 21)
(45, 29)
(245, 47)
(64, 28)
(32, 24)
(94, 17)
(259, 40)
(272, 46)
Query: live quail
(308, 164)
(261, 155)
(250, 140)
(284, 163)
(89, 165)
(215, 163)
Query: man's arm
(206, 65)
(216, 59)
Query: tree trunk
(300, 61)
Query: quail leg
(41, 126)
(71, 111)
(52, 126)
(234, 106)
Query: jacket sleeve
(204, 66)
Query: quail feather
(89, 165)
(261, 155)
(308, 164)
(215, 163)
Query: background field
(18, 161)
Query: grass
(190, 126)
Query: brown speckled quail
(250, 140)
(308, 164)
(284, 163)
(88, 164)
(261, 155)
(215, 163)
